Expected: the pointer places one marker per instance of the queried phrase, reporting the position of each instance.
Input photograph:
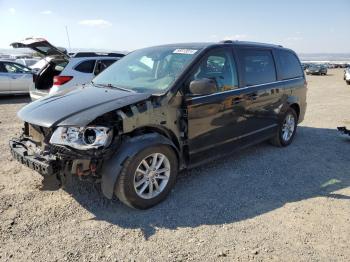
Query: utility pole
(70, 50)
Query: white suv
(62, 72)
(81, 69)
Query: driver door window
(13, 68)
(218, 65)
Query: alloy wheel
(288, 127)
(152, 175)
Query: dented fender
(129, 148)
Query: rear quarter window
(288, 65)
(258, 66)
(86, 66)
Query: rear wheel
(286, 129)
(147, 178)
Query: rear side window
(86, 66)
(102, 65)
(289, 65)
(258, 66)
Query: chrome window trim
(247, 87)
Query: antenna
(70, 50)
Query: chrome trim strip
(246, 87)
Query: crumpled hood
(78, 107)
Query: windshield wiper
(112, 86)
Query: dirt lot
(263, 203)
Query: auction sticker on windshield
(185, 51)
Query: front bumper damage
(57, 161)
(44, 166)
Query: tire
(279, 139)
(348, 82)
(126, 188)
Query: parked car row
(57, 71)
(157, 111)
(347, 75)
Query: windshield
(40, 64)
(149, 70)
(30, 62)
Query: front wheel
(286, 129)
(147, 178)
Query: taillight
(60, 80)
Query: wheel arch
(130, 147)
(159, 130)
(296, 108)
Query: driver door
(19, 78)
(215, 120)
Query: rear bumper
(20, 153)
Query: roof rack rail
(227, 41)
(248, 43)
(94, 54)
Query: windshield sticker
(185, 51)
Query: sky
(314, 26)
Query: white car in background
(60, 72)
(27, 61)
(81, 69)
(347, 75)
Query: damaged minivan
(163, 109)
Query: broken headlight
(82, 137)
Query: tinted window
(289, 65)
(218, 65)
(2, 68)
(258, 66)
(86, 66)
(15, 68)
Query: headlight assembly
(82, 137)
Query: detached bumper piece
(20, 153)
(343, 130)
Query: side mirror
(203, 86)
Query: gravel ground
(263, 203)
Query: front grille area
(39, 135)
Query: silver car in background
(14, 78)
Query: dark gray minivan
(163, 109)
